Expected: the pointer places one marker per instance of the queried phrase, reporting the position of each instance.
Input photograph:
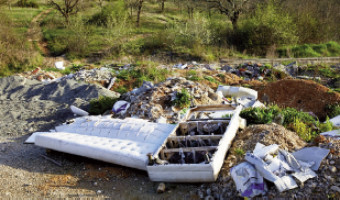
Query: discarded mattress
(192, 151)
(195, 151)
(124, 142)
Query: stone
(332, 169)
(335, 188)
(161, 188)
(209, 197)
(332, 162)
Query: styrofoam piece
(336, 121)
(312, 154)
(125, 142)
(258, 104)
(31, 139)
(198, 172)
(239, 92)
(59, 65)
(243, 123)
(335, 134)
(261, 150)
(78, 111)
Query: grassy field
(174, 35)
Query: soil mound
(303, 95)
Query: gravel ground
(30, 172)
(27, 171)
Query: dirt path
(36, 38)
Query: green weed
(239, 151)
(101, 105)
(183, 99)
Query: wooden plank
(195, 137)
(190, 149)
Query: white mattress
(124, 142)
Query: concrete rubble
(155, 101)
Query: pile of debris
(102, 75)
(326, 183)
(155, 102)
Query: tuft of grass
(192, 75)
(122, 90)
(183, 99)
(101, 105)
(239, 151)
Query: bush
(305, 125)
(333, 110)
(27, 4)
(101, 105)
(113, 12)
(259, 115)
(267, 27)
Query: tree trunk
(163, 2)
(234, 20)
(140, 4)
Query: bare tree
(231, 8)
(139, 11)
(162, 5)
(67, 8)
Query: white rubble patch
(312, 154)
(59, 65)
(78, 111)
(277, 169)
(336, 121)
(334, 134)
(125, 142)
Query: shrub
(111, 13)
(305, 125)
(183, 99)
(259, 115)
(267, 27)
(302, 130)
(333, 110)
(27, 4)
(101, 105)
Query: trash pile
(104, 76)
(249, 71)
(277, 166)
(327, 181)
(155, 102)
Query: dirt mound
(303, 95)
(266, 134)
